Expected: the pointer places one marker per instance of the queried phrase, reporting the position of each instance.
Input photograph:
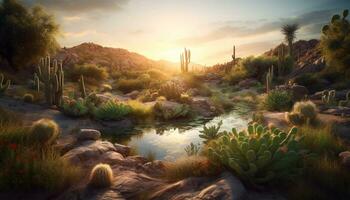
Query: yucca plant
(112, 110)
(289, 31)
(211, 132)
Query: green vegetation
(93, 74)
(278, 100)
(192, 149)
(129, 85)
(101, 176)
(304, 112)
(170, 112)
(139, 109)
(221, 102)
(26, 34)
(185, 59)
(335, 43)
(259, 155)
(171, 91)
(112, 110)
(24, 167)
(289, 31)
(75, 108)
(211, 133)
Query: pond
(166, 141)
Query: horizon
(210, 31)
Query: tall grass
(139, 109)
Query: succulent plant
(75, 108)
(259, 155)
(101, 176)
(185, 59)
(303, 112)
(4, 87)
(52, 77)
(210, 133)
(44, 132)
(82, 87)
(192, 149)
(269, 78)
(28, 98)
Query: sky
(160, 29)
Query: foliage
(129, 85)
(25, 167)
(139, 109)
(335, 44)
(303, 112)
(289, 31)
(23, 29)
(163, 111)
(171, 91)
(93, 74)
(257, 67)
(278, 100)
(112, 110)
(259, 155)
(192, 149)
(101, 176)
(210, 133)
(28, 98)
(235, 76)
(4, 87)
(188, 167)
(75, 108)
(221, 102)
(312, 81)
(44, 132)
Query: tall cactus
(4, 87)
(52, 77)
(269, 78)
(36, 82)
(281, 59)
(185, 59)
(230, 67)
(82, 87)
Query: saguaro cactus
(52, 77)
(269, 77)
(281, 59)
(82, 87)
(4, 87)
(185, 59)
(36, 82)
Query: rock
(112, 157)
(122, 149)
(133, 95)
(139, 159)
(203, 107)
(345, 158)
(340, 111)
(155, 166)
(247, 83)
(193, 92)
(88, 134)
(298, 91)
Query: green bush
(129, 85)
(163, 111)
(192, 149)
(140, 110)
(303, 112)
(335, 45)
(235, 76)
(28, 98)
(259, 155)
(75, 108)
(221, 102)
(171, 91)
(93, 74)
(278, 100)
(112, 110)
(311, 81)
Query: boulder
(298, 91)
(88, 134)
(247, 83)
(345, 158)
(133, 95)
(203, 107)
(122, 149)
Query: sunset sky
(160, 29)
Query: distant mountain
(112, 58)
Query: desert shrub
(25, 167)
(188, 167)
(210, 133)
(148, 95)
(129, 85)
(312, 81)
(185, 98)
(171, 91)
(321, 140)
(139, 109)
(157, 74)
(335, 43)
(192, 149)
(235, 76)
(221, 102)
(106, 87)
(101, 176)
(75, 108)
(112, 110)
(259, 155)
(44, 132)
(303, 112)
(166, 112)
(93, 74)
(278, 100)
(28, 98)
(257, 66)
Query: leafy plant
(75, 108)
(278, 100)
(93, 74)
(259, 155)
(289, 32)
(192, 149)
(171, 91)
(210, 133)
(112, 110)
(101, 176)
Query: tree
(25, 34)
(335, 44)
(289, 31)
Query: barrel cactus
(44, 132)
(28, 98)
(101, 176)
(259, 155)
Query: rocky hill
(112, 58)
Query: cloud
(80, 6)
(310, 23)
(83, 33)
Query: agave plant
(259, 155)
(211, 132)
